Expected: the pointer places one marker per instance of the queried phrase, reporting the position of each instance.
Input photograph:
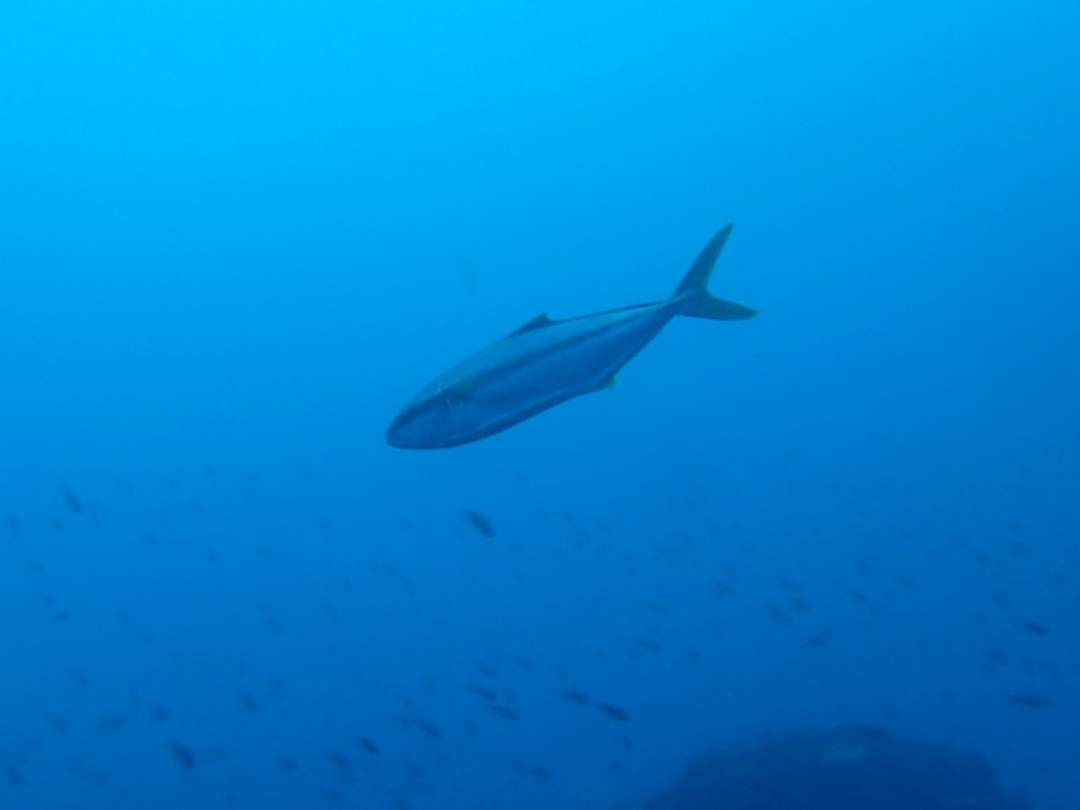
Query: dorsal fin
(539, 322)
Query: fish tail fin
(693, 295)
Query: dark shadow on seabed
(847, 768)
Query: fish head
(438, 417)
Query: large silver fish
(546, 362)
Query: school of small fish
(401, 756)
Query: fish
(368, 745)
(857, 596)
(776, 614)
(272, 623)
(483, 526)
(332, 797)
(535, 771)
(489, 695)
(1027, 700)
(575, 696)
(72, 501)
(111, 722)
(506, 713)
(645, 646)
(820, 639)
(339, 761)
(613, 711)
(183, 755)
(59, 724)
(1035, 628)
(722, 589)
(546, 362)
(429, 729)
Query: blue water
(236, 237)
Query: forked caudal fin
(693, 294)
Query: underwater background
(236, 237)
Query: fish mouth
(401, 441)
(399, 435)
(394, 434)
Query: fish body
(547, 362)
(1027, 700)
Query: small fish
(490, 695)
(249, 702)
(506, 713)
(820, 639)
(799, 603)
(857, 596)
(368, 745)
(776, 614)
(13, 527)
(287, 764)
(479, 522)
(332, 797)
(1035, 628)
(71, 500)
(338, 760)
(576, 696)
(993, 660)
(790, 586)
(646, 646)
(1027, 700)
(428, 728)
(613, 711)
(722, 589)
(272, 624)
(183, 755)
(1020, 550)
(111, 722)
(534, 771)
